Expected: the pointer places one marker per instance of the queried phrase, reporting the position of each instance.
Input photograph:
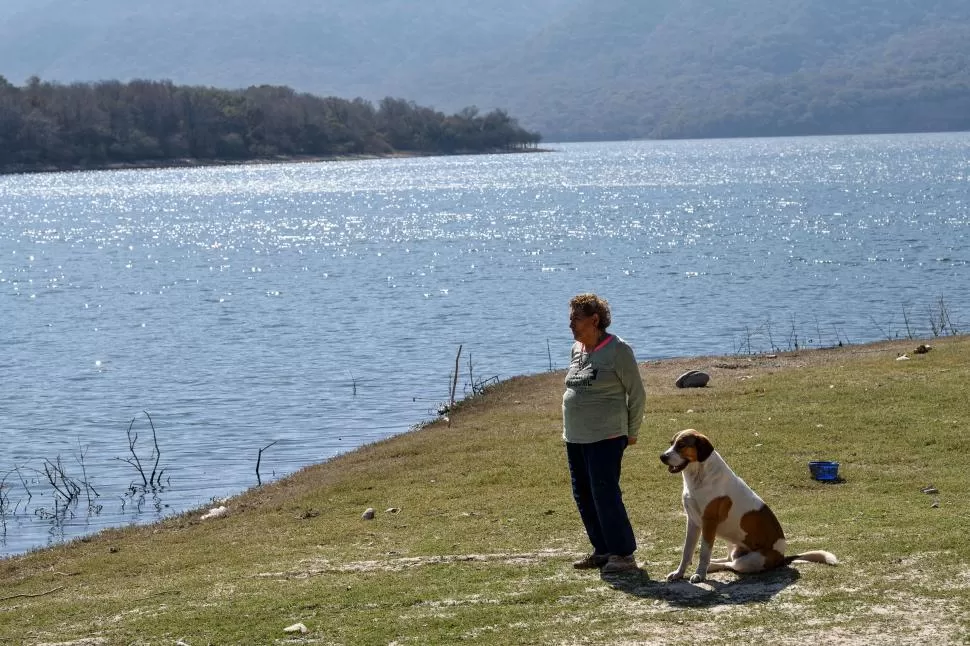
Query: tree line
(46, 125)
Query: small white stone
(295, 628)
(368, 514)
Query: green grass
(480, 550)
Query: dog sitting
(719, 503)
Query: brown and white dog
(719, 503)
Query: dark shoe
(591, 561)
(616, 564)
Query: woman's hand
(630, 441)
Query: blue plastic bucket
(824, 470)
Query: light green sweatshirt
(604, 395)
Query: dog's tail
(817, 556)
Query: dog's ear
(703, 446)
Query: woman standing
(602, 409)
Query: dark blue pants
(595, 473)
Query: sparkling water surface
(320, 306)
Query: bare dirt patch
(316, 567)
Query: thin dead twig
(25, 595)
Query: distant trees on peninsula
(93, 125)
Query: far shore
(191, 162)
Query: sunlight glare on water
(320, 305)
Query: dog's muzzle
(674, 461)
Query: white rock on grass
(295, 628)
(215, 512)
(368, 514)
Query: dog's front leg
(690, 543)
(703, 558)
(714, 514)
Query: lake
(289, 313)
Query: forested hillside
(48, 126)
(770, 67)
(572, 69)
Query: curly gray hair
(589, 304)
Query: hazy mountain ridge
(569, 68)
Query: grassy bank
(475, 528)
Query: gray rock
(692, 379)
(368, 514)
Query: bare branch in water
(454, 380)
(259, 458)
(88, 488)
(158, 455)
(133, 460)
(154, 480)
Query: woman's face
(583, 327)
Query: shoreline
(191, 162)
(465, 531)
(719, 366)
